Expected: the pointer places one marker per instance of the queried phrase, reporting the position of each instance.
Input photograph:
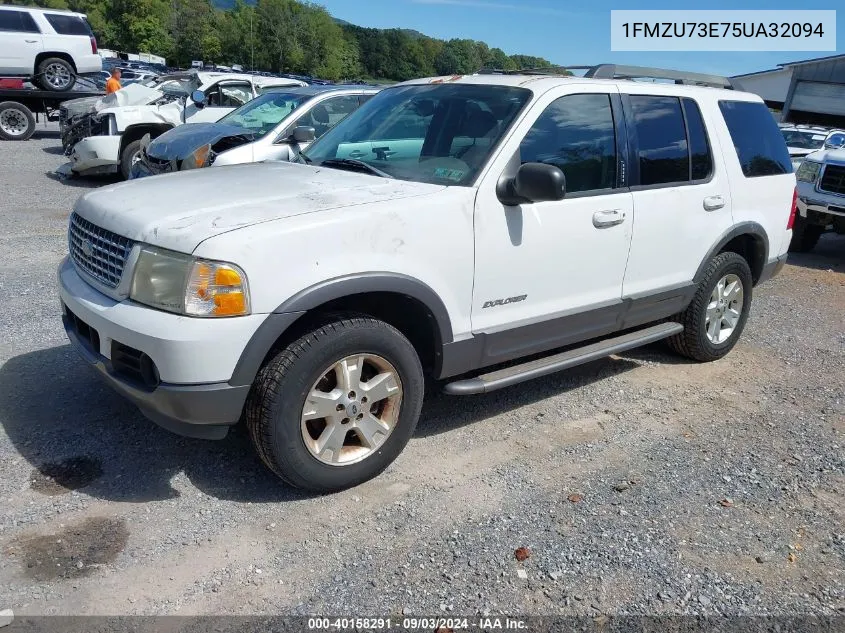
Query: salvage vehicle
(274, 126)
(103, 135)
(479, 231)
(802, 140)
(51, 46)
(821, 196)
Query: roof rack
(617, 71)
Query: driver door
(550, 274)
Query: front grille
(833, 179)
(100, 253)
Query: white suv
(449, 228)
(50, 45)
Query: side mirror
(198, 97)
(533, 182)
(303, 134)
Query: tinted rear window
(757, 140)
(17, 21)
(663, 151)
(701, 162)
(68, 24)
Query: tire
(695, 342)
(805, 236)
(56, 74)
(133, 149)
(276, 415)
(17, 123)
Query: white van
(50, 45)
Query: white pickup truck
(102, 135)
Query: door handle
(31, 41)
(713, 203)
(604, 219)
(356, 154)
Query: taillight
(794, 210)
(93, 45)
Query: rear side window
(17, 22)
(701, 161)
(68, 24)
(757, 140)
(663, 150)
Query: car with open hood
(102, 135)
(276, 125)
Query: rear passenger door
(20, 42)
(682, 197)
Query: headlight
(199, 158)
(186, 285)
(808, 171)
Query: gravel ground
(640, 484)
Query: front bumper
(96, 155)
(193, 359)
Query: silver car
(276, 125)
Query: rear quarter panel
(765, 200)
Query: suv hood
(179, 211)
(180, 142)
(133, 94)
(828, 156)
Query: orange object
(112, 85)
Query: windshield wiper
(354, 164)
(304, 158)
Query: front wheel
(716, 317)
(16, 122)
(334, 408)
(129, 157)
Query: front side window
(328, 113)
(757, 140)
(437, 133)
(17, 22)
(576, 134)
(663, 154)
(264, 113)
(68, 24)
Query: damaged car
(273, 126)
(102, 135)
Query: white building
(809, 91)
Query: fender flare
(743, 228)
(284, 316)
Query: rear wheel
(805, 235)
(17, 123)
(716, 317)
(129, 157)
(56, 74)
(334, 408)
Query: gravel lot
(641, 484)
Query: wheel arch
(136, 132)
(404, 302)
(747, 239)
(46, 55)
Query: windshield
(264, 113)
(803, 140)
(434, 133)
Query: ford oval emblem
(87, 248)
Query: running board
(551, 364)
